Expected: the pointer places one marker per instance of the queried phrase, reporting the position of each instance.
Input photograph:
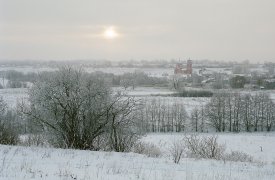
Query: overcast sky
(148, 29)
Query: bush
(193, 93)
(7, 135)
(74, 108)
(238, 82)
(34, 140)
(238, 156)
(15, 84)
(204, 147)
(147, 149)
(176, 151)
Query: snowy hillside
(45, 163)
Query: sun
(110, 33)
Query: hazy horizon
(226, 30)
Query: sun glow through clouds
(110, 33)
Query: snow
(13, 95)
(189, 103)
(4, 82)
(249, 143)
(153, 72)
(27, 69)
(18, 162)
(272, 95)
(157, 93)
(144, 91)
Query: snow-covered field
(189, 103)
(45, 163)
(27, 69)
(153, 72)
(13, 95)
(250, 143)
(144, 91)
(272, 94)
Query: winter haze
(156, 29)
(137, 89)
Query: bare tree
(8, 133)
(247, 111)
(195, 119)
(72, 107)
(176, 150)
(270, 115)
(122, 129)
(161, 115)
(204, 147)
(237, 112)
(216, 112)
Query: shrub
(176, 151)
(8, 135)
(73, 108)
(204, 147)
(193, 93)
(147, 149)
(238, 156)
(34, 140)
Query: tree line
(225, 112)
(235, 112)
(159, 115)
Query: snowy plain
(153, 72)
(144, 91)
(14, 95)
